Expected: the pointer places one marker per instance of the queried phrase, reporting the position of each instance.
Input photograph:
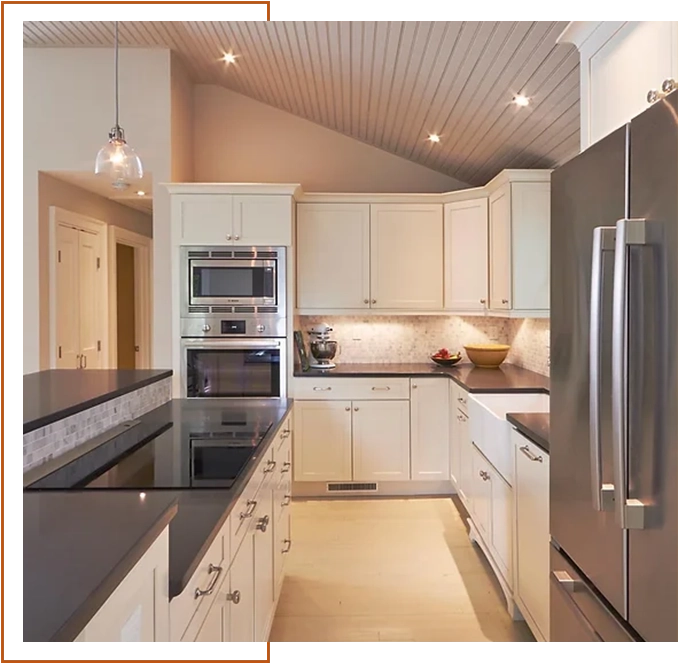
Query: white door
(333, 256)
(322, 441)
(466, 250)
(501, 536)
(430, 403)
(531, 487)
(481, 493)
(455, 437)
(241, 592)
(381, 440)
(216, 621)
(203, 218)
(262, 220)
(263, 561)
(500, 248)
(90, 276)
(67, 304)
(406, 256)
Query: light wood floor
(401, 569)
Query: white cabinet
(213, 629)
(222, 218)
(240, 593)
(465, 459)
(263, 560)
(480, 493)
(333, 256)
(138, 609)
(430, 441)
(381, 440)
(531, 488)
(322, 441)
(519, 223)
(455, 449)
(501, 519)
(466, 255)
(406, 256)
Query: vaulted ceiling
(388, 84)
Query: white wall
(68, 111)
(238, 139)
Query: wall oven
(240, 280)
(234, 367)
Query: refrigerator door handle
(603, 241)
(630, 514)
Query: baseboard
(318, 489)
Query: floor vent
(334, 487)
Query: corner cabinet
(519, 240)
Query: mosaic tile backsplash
(50, 441)
(384, 339)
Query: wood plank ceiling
(388, 84)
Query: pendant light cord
(117, 118)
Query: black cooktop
(205, 451)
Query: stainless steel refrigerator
(614, 385)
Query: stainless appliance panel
(580, 615)
(653, 374)
(588, 192)
(263, 325)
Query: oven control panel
(265, 326)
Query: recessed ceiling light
(141, 193)
(434, 138)
(521, 100)
(229, 58)
(142, 496)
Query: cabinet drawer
(284, 435)
(354, 389)
(188, 610)
(460, 399)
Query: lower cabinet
(263, 562)
(240, 595)
(501, 519)
(465, 448)
(217, 622)
(480, 494)
(430, 442)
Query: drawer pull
(285, 467)
(270, 467)
(263, 524)
(285, 434)
(567, 582)
(288, 545)
(251, 506)
(530, 455)
(484, 475)
(234, 596)
(460, 418)
(206, 592)
(286, 500)
(322, 388)
(381, 388)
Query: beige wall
(238, 139)
(54, 192)
(181, 91)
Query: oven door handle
(223, 343)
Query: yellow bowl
(487, 355)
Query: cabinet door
(532, 530)
(241, 579)
(322, 441)
(464, 485)
(406, 256)
(262, 220)
(501, 518)
(481, 493)
(92, 316)
(500, 248)
(203, 218)
(455, 433)
(67, 304)
(216, 621)
(333, 240)
(282, 543)
(430, 403)
(466, 252)
(381, 440)
(263, 561)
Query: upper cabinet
(355, 256)
(466, 255)
(621, 62)
(519, 241)
(219, 215)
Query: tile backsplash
(50, 441)
(384, 339)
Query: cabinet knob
(414, 386)
(229, 237)
(356, 409)
(668, 86)
(236, 238)
(263, 524)
(482, 301)
(366, 301)
(234, 596)
(348, 409)
(374, 301)
(484, 475)
(504, 301)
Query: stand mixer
(323, 348)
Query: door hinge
(99, 346)
(59, 352)
(98, 263)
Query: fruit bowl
(487, 355)
(449, 361)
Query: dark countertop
(78, 547)
(53, 395)
(201, 512)
(534, 426)
(506, 378)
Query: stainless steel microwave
(218, 280)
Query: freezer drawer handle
(567, 582)
(530, 455)
(603, 242)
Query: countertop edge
(177, 586)
(93, 402)
(77, 621)
(528, 433)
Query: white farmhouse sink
(490, 431)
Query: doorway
(127, 346)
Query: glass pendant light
(117, 160)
